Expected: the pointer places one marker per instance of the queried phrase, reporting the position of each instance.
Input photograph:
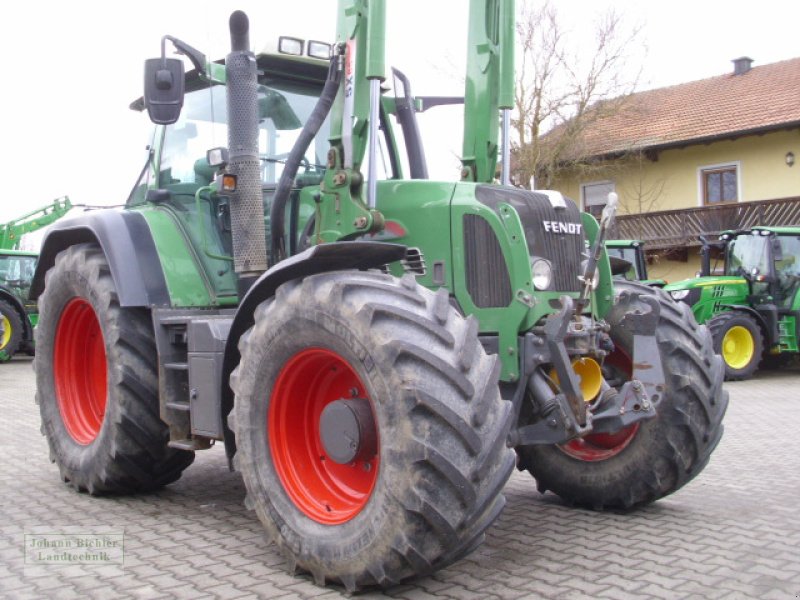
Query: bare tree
(642, 190)
(564, 84)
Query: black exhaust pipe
(246, 203)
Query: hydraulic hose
(277, 213)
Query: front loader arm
(489, 85)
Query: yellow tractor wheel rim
(5, 334)
(738, 347)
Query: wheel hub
(738, 347)
(347, 430)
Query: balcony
(669, 229)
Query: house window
(595, 196)
(720, 184)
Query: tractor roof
(281, 66)
(624, 243)
(779, 230)
(759, 228)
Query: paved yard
(733, 532)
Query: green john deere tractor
(753, 308)
(633, 252)
(370, 345)
(18, 313)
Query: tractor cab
(16, 273)
(188, 155)
(769, 258)
(183, 174)
(634, 267)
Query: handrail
(683, 227)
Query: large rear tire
(654, 458)
(739, 341)
(10, 331)
(430, 482)
(97, 384)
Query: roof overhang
(651, 150)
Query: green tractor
(631, 251)
(371, 346)
(753, 308)
(18, 313)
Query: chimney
(742, 65)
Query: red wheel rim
(320, 488)
(79, 370)
(602, 446)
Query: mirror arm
(198, 58)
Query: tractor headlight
(679, 294)
(542, 274)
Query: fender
(333, 256)
(769, 329)
(125, 239)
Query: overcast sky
(74, 67)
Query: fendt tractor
(753, 308)
(371, 346)
(18, 313)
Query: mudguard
(333, 256)
(768, 326)
(128, 245)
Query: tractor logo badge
(559, 227)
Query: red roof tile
(763, 98)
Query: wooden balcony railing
(680, 228)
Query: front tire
(10, 331)
(96, 382)
(738, 340)
(425, 492)
(653, 458)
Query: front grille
(553, 233)
(488, 281)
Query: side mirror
(163, 89)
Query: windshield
(790, 251)
(745, 253)
(17, 271)
(628, 254)
(283, 109)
